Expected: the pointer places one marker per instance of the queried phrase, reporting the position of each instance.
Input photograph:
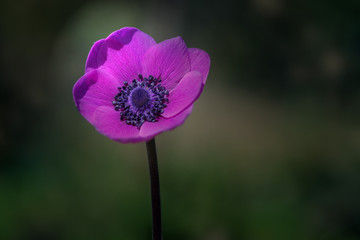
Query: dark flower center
(142, 100)
(139, 97)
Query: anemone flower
(134, 89)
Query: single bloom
(134, 88)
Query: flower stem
(155, 189)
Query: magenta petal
(107, 122)
(185, 93)
(121, 53)
(200, 61)
(96, 88)
(168, 60)
(149, 130)
(91, 61)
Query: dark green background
(271, 150)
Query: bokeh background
(271, 151)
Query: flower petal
(121, 52)
(96, 88)
(107, 122)
(92, 59)
(185, 93)
(200, 61)
(149, 130)
(168, 60)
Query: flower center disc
(139, 97)
(142, 100)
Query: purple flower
(134, 88)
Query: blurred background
(271, 150)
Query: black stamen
(141, 100)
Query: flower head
(134, 88)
